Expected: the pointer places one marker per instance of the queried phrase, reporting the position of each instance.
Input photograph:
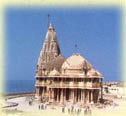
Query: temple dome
(76, 62)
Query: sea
(19, 86)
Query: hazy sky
(96, 32)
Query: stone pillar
(43, 91)
(37, 91)
(53, 93)
(75, 95)
(64, 95)
(72, 97)
(71, 94)
(101, 84)
(86, 96)
(61, 98)
(49, 94)
(81, 95)
(57, 94)
(92, 96)
(98, 95)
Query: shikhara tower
(59, 80)
(49, 51)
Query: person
(89, 112)
(85, 111)
(39, 107)
(42, 107)
(29, 102)
(78, 111)
(63, 109)
(45, 106)
(75, 110)
(68, 110)
(72, 108)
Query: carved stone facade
(59, 80)
(49, 51)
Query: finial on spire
(48, 19)
(75, 47)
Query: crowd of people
(77, 110)
(72, 109)
(42, 106)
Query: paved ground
(26, 108)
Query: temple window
(94, 80)
(89, 80)
(79, 80)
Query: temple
(65, 80)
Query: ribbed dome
(76, 62)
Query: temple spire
(50, 49)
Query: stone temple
(61, 80)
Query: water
(19, 86)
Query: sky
(96, 31)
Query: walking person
(63, 109)
(85, 111)
(42, 107)
(89, 112)
(72, 108)
(78, 111)
(39, 107)
(45, 106)
(69, 110)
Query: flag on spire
(48, 19)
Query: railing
(96, 85)
(75, 84)
(38, 83)
(68, 84)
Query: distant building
(59, 80)
(117, 89)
